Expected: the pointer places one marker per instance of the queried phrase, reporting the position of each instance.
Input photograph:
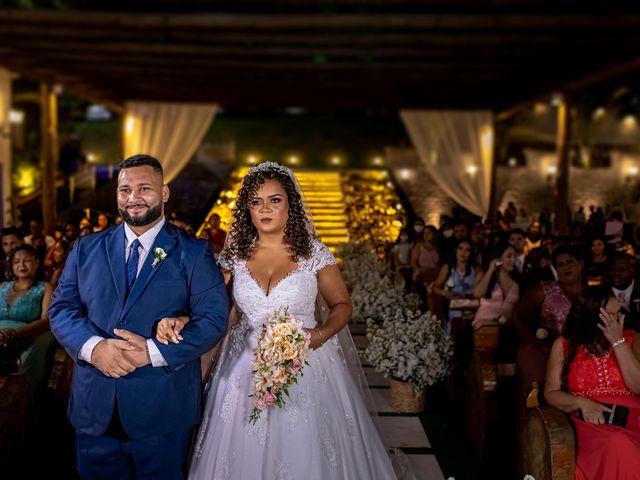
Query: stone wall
(531, 186)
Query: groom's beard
(151, 216)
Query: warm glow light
(294, 160)
(405, 173)
(598, 113)
(398, 206)
(336, 160)
(629, 122)
(472, 169)
(91, 157)
(556, 99)
(25, 179)
(390, 184)
(512, 161)
(130, 123)
(540, 108)
(632, 170)
(16, 117)
(252, 159)
(552, 169)
(377, 161)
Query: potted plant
(413, 351)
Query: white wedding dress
(324, 431)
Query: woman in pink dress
(498, 289)
(593, 367)
(540, 317)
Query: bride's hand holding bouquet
(283, 350)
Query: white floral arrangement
(410, 347)
(375, 296)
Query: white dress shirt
(146, 242)
(520, 262)
(624, 296)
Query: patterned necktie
(132, 264)
(622, 299)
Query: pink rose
(297, 363)
(269, 399)
(259, 403)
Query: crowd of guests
(567, 309)
(30, 267)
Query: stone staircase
(323, 194)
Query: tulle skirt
(323, 432)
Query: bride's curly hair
(243, 231)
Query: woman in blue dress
(24, 324)
(457, 278)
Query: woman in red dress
(593, 364)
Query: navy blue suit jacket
(91, 300)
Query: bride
(324, 431)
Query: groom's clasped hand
(117, 358)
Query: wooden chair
(548, 441)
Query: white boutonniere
(160, 255)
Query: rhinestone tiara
(264, 166)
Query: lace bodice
(297, 291)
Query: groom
(135, 401)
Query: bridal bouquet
(283, 349)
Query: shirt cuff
(157, 360)
(87, 349)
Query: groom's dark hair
(141, 160)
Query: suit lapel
(114, 243)
(166, 239)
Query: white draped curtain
(5, 146)
(456, 150)
(171, 132)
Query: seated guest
(11, 238)
(593, 367)
(215, 234)
(70, 233)
(58, 257)
(103, 223)
(458, 278)
(517, 241)
(37, 238)
(86, 230)
(598, 262)
(533, 238)
(425, 259)
(498, 289)
(24, 324)
(400, 257)
(541, 315)
(479, 239)
(622, 280)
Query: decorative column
(5, 147)
(48, 155)
(563, 144)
